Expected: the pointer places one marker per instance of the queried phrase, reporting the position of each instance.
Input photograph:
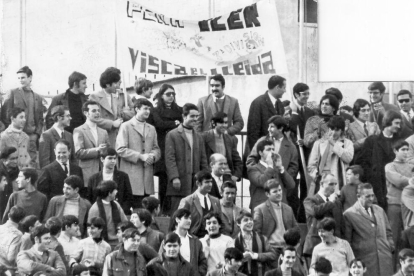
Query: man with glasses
(405, 102)
(376, 91)
(217, 101)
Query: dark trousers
(137, 201)
(175, 202)
(162, 193)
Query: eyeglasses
(404, 101)
(169, 94)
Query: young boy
(349, 192)
(233, 261)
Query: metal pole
(391, 92)
(301, 23)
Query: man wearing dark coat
(377, 152)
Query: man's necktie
(327, 199)
(365, 129)
(63, 135)
(205, 203)
(66, 169)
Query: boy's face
(351, 177)
(172, 249)
(212, 226)
(289, 258)
(246, 224)
(233, 265)
(275, 194)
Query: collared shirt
(277, 143)
(221, 98)
(219, 142)
(272, 99)
(107, 176)
(219, 181)
(320, 192)
(361, 123)
(109, 98)
(265, 164)
(411, 112)
(63, 167)
(88, 249)
(58, 130)
(185, 247)
(9, 243)
(94, 130)
(70, 245)
(201, 198)
(386, 136)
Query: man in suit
(218, 102)
(377, 152)
(361, 127)
(220, 172)
(369, 233)
(184, 156)
(90, 141)
(264, 107)
(229, 209)
(288, 259)
(376, 91)
(70, 203)
(406, 259)
(200, 203)
(269, 166)
(217, 140)
(138, 148)
(323, 204)
(47, 141)
(32, 104)
(73, 99)
(51, 180)
(9, 168)
(273, 217)
(405, 102)
(112, 104)
(109, 172)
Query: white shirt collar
(386, 135)
(264, 164)
(295, 106)
(59, 131)
(322, 195)
(221, 98)
(273, 99)
(362, 124)
(201, 198)
(91, 124)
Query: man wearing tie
(112, 104)
(51, 181)
(405, 102)
(217, 101)
(264, 107)
(62, 118)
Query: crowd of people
(77, 185)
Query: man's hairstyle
(85, 106)
(75, 78)
(109, 152)
(262, 144)
(15, 111)
(271, 184)
(144, 216)
(357, 169)
(346, 107)
(124, 225)
(404, 92)
(142, 85)
(16, 214)
(399, 144)
(68, 221)
(325, 175)
(333, 101)
(113, 69)
(130, 233)
(213, 158)
(213, 215)
(74, 181)
(243, 213)
(172, 237)
(106, 187)
(28, 222)
(188, 107)
(218, 117)
(219, 78)
(405, 253)
(299, 87)
(39, 231)
(150, 203)
(97, 222)
(389, 116)
(323, 265)
(356, 261)
(64, 142)
(336, 123)
(7, 151)
(54, 224)
(58, 111)
(363, 186)
(288, 248)
(334, 92)
(78, 269)
(140, 102)
(26, 70)
(360, 103)
(327, 224)
(278, 121)
(203, 175)
(180, 213)
(377, 85)
(228, 184)
(109, 77)
(233, 253)
(30, 172)
(275, 81)
(292, 236)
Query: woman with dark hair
(166, 116)
(317, 126)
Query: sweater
(214, 249)
(33, 203)
(397, 174)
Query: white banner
(246, 41)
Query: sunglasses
(169, 94)
(404, 101)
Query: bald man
(220, 172)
